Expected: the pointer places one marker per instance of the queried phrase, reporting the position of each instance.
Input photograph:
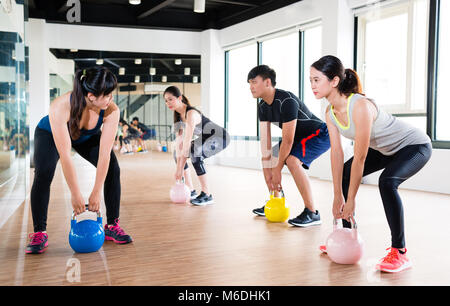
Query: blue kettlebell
(86, 236)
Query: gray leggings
(204, 149)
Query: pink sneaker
(116, 233)
(394, 262)
(38, 243)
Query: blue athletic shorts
(308, 148)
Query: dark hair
(331, 66)
(135, 118)
(97, 80)
(175, 91)
(263, 71)
(123, 121)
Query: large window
(392, 58)
(241, 114)
(282, 55)
(443, 78)
(312, 51)
(291, 63)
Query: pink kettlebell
(345, 245)
(180, 193)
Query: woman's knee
(388, 183)
(199, 166)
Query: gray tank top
(388, 136)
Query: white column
(212, 76)
(39, 73)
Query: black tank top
(206, 128)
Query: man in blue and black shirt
(304, 138)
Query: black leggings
(45, 159)
(397, 169)
(201, 149)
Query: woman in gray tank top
(380, 142)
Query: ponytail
(98, 81)
(77, 104)
(351, 83)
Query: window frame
(259, 56)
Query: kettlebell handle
(352, 222)
(74, 217)
(180, 181)
(272, 193)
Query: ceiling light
(152, 71)
(137, 79)
(164, 79)
(178, 61)
(199, 6)
(187, 71)
(121, 71)
(99, 61)
(138, 61)
(73, 50)
(195, 79)
(135, 2)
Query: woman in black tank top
(68, 126)
(202, 139)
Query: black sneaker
(259, 211)
(202, 200)
(116, 233)
(306, 218)
(193, 194)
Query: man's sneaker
(202, 200)
(259, 211)
(116, 233)
(394, 262)
(193, 194)
(306, 218)
(323, 249)
(38, 243)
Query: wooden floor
(225, 243)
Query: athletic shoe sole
(117, 241)
(203, 203)
(259, 214)
(38, 252)
(305, 225)
(403, 267)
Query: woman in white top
(380, 142)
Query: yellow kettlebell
(276, 209)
